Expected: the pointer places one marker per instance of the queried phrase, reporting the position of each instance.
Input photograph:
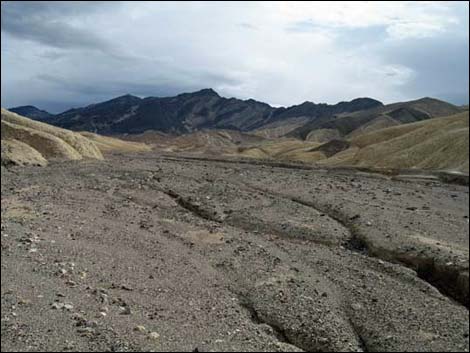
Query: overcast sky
(61, 55)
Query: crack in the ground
(279, 332)
(445, 279)
(359, 335)
(354, 242)
(191, 206)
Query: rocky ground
(158, 253)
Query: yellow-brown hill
(29, 142)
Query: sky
(60, 55)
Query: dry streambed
(200, 255)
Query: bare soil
(156, 253)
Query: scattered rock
(140, 328)
(125, 310)
(86, 331)
(62, 306)
(154, 335)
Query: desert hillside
(440, 144)
(29, 142)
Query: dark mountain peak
(25, 107)
(125, 98)
(32, 112)
(252, 101)
(366, 100)
(205, 92)
(428, 100)
(362, 103)
(306, 104)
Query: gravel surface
(154, 253)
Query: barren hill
(440, 143)
(25, 141)
(434, 144)
(355, 123)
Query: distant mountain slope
(434, 144)
(180, 114)
(32, 112)
(355, 123)
(205, 141)
(438, 144)
(189, 112)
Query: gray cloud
(441, 66)
(46, 23)
(58, 55)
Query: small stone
(356, 306)
(154, 335)
(68, 306)
(369, 224)
(125, 310)
(57, 306)
(86, 331)
(140, 328)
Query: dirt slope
(49, 141)
(25, 141)
(438, 144)
(434, 144)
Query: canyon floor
(149, 252)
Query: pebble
(86, 331)
(125, 310)
(154, 335)
(356, 306)
(59, 306)
(68, 307)
(140, 328)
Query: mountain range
(206, 109)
